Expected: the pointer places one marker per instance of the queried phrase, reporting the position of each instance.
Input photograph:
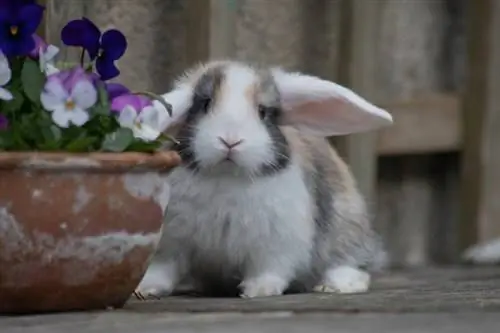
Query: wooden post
(57, 14)
(211, 27)
(43, 25)
(480, 204)
(357, 71)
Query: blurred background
(431, 179)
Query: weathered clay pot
(77, 231)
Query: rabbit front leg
(273, 267)
(169, 266)
(344, 279)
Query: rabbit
(485, 253)
(262, 205)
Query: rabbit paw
(156, 283)
(265, 285)
(344, 280)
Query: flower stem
(154, 96)
(169, 138)
(82, 57)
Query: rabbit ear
(180, 99)
(324, 108)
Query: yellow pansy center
(138, 124)
(14, 29)
(69, 105)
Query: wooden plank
(423, 291)
(210, 29)
(480, 209)
(58, 13)
(357, 71)
(426, 124)
(43, 25)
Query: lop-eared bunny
(262, 202)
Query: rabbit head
(231, 115)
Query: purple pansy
(41, 47)
(116, 89)
(137, 113)
(137, 102)
(68, 95)
(18, 23)
(104, 48)
(4, 122)
(45, 54)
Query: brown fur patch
(251, 93)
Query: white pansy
(46, 59)
(5, 76)
(144, 124)
(69, 107)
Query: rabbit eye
(205, 103)
(262, 111)
(268, 113)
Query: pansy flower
(45, 54)
(5, 76)
(68, 95)
(17, 25)
(137, 113)
(4, 122)
(104, 48)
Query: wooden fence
(432, 177)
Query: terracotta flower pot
(77, 231)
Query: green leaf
(118, 141)
(82, 143)
(33, 80)
(143, 146)
(102, 106)
(52, 136)
(15, 104)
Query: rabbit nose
(230, 144)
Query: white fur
(224, 218)
(271, 233)
(160, 279)
(234, 120)
(344, 280)
(484, 253)
(324, 108)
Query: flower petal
(79, 117)
(5, 71)
(150, 117)
(51, 52)
(61, 116)
(5, 95)
(106, 68)
(127, 117)
(51, 69)
(82, 33)
(4, 122)
(84, 94)
(72, 33)
(116, 89)
(114, 44)
(120, 102)
(23, 46)
(6, 47)
(30, 17)
(39, 48)
(54, 95)
(146, 133)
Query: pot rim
(127, 161)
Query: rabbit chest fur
(228, 227)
